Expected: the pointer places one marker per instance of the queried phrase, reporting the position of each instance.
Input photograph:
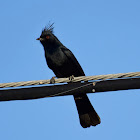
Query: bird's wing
(73, 60)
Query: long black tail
(87, 114)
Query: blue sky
(105, 38)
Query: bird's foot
(52, 80)
(71, 78)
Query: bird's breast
(56, 59)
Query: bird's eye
(47, 36)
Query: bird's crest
(49, 28)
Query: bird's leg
(52, 80)
(71, 78)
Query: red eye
(48, 37)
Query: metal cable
(76, 79)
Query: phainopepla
(64, 64)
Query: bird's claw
(52, 80)
(71, 78)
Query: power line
(69, 89)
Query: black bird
(64, 64)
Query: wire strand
(66, 80)
(61, 93)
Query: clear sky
(104, 35)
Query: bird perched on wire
(64, 64)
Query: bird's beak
(41, 39)
(38, 39)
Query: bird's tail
(87, 114)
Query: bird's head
(47, 38)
